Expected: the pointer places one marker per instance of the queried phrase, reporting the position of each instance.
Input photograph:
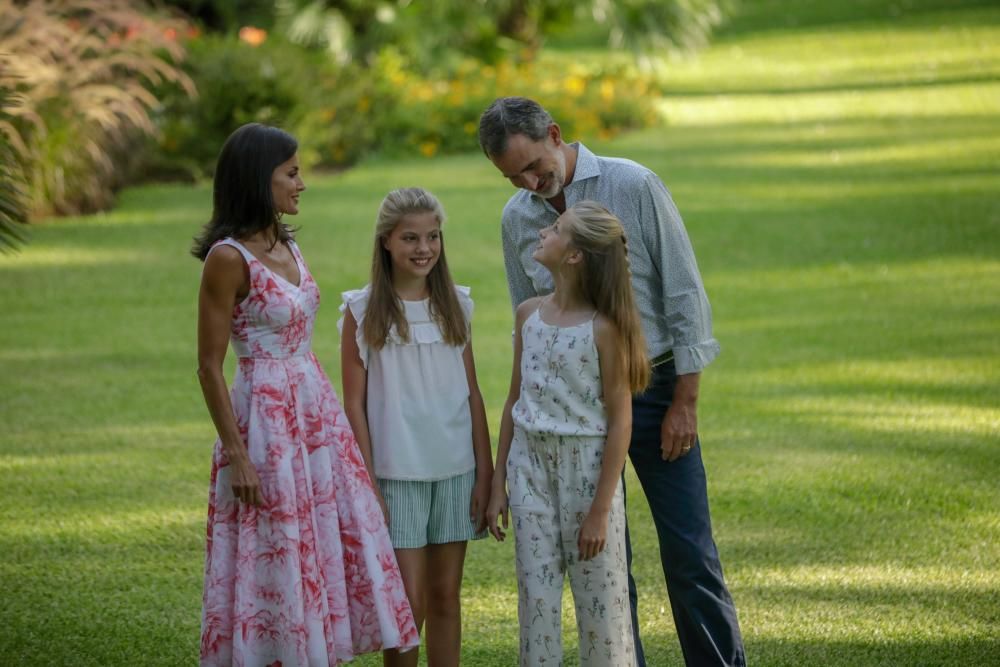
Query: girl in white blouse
(578, 357)
(413, 401)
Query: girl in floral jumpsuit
(579, 355)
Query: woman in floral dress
(299, 569)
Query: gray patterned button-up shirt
(668, 288)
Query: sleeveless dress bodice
(276, 319)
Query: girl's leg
(599, 585)
(413, 568)
(443, 636)
(532, 484)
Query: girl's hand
(497, 510)
(593, 534)
(479, 503)
(245, 481)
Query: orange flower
(252, 36)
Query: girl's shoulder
(464, 295)
(355, 297)
(527, 307)
(355, 301)
(605, 330)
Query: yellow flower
(607, 90)
(455, 98)
(574, 85)
(470, 127)
(424, 93)
(428, 148)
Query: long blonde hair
(385, 308)
(606, 281)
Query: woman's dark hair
(242, 204)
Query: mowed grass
(838, 171)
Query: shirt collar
(587, 166)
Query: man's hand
(679, 430)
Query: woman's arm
(224, 282)
(480, 443)
(498, 495)
(354, 376)
(618, 403)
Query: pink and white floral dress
(309, 578)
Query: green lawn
(838, 167)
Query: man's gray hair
(508, 116)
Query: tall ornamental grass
(80, 74)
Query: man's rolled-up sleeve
(687, 313)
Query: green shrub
(339, 128)
(441, 115)
(273, 82)
(343, 112)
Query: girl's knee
(444, 599)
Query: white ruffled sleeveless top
(418, 395)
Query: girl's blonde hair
(384, 307)
(606, 282)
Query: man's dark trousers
(703, 610)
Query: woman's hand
(593, 534)
(479, 503)
(245, 481)
(497, 510)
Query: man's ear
(555, 134)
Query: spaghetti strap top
(561, 391)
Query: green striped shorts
(422, 513)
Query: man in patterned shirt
(526, 146)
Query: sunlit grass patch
(923, 102)
(910, 50)
(62, 257)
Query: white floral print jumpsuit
(552, 472)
